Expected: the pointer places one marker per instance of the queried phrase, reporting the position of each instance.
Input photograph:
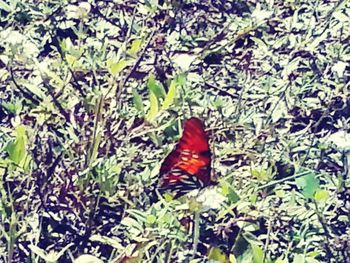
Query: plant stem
(195, 233)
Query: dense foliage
(92, 98)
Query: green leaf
(154, 108)
(153, 86)
(322, 146)
(151, 219)
(21, 131)
(262, 174)
(321, 195)
(37, 250)
(113, 242)
(233, 196)
(95, 146)
(260, 43)
(258, 254)
(219, 102)
(155, 138)
(308, 184)
(17, 149)
(116, 67)
(170, 96)
(71, 60)
(135, 47)
(168, 197)
(181, 79)
(14, 107)
(313, 254)
(225, 188)
(130, 222)
(35, 90)
(253, 198)
(218, 255)
(228, 191)
(137, 99)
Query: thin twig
(134, 67)
(346, 161)
(239, 102)
(56, 102)
(326, 232)
(75, 82)
(225, 92)
(26, 94)
(294, 176)
(269, 229)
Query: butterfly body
(187, 167)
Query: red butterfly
(187, 167)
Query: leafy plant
(93, 96)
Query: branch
(26, 94)
(273, 183)
(224, 92)
(134, 67)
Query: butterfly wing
(187, 167)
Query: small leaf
(225, 188)
(260, 43)
(253, 198)
(71, 59)
(181, 79)
(218, 255)
(168, 197)
(35, 90)
(154, 108)
(313, 254)
(151, 219)
(17, 149)
(228, 191)
(137, 99)
(280, 193)
(14, 107)
(116, 67)
(130, 222)
(170, 96)
(308, 184)
(260, 14)
(135, 47)
(233, 196)
(258, 254)
(153, 86)
(262, 174)
(37, 250)
(321, 195)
